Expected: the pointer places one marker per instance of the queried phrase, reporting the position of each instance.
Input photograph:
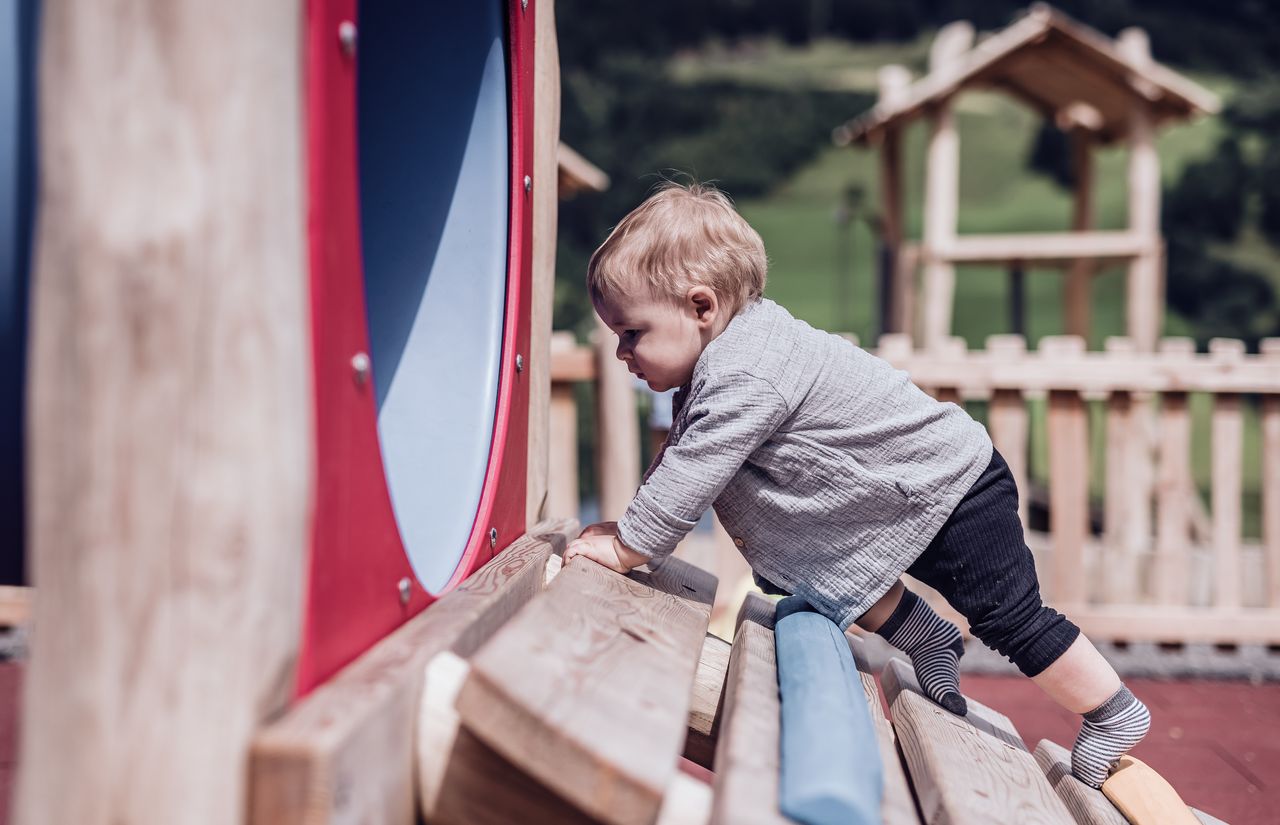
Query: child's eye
(632, 332)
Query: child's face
(660, 341)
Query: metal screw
(493, 537)
(360, 366)
(519, 362)
(528, 183)
(524, 4)
(347, 36)
(406, 589)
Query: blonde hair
(680, 237)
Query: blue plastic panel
(433, 132)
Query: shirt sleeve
(728, 419)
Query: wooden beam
(1127, 506)
(1079, 277)
(746, 767)
(1177, 624)
(1087, 805)
(548, 702)
(1046, 247)
(897, 805)
(708, 687)
(971, 769)
(1144, 797)
(344, 753)
(941, 208)
(170, 407)
(546, 208)
(1143, 306)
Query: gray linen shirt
(828, 467)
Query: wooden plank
(344, 753)
(1088, 805)
(1044, 247)
(1007, 415)
(1179, 623)
(1077, 299)
(170, 467)
(546, 210)
(548, 702)
(708, 686)
(1227, 482)
(562, 450)
(569, 361)
(1171, 560)
(1270, 427)
(1067, 426)
(1144, 797)
(1144, 309)
(898, 806)
(1126, 519)
(617, 428)
(941, 206)
(746, 779)
(971, 769)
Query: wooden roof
(577, 174)
(1058, 66)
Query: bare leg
(879, 612)
(1080, 680)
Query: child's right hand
(600, 528)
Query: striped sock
(1108, 732)
(935, 647)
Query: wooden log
(830, 770)
(170, 407)
(745, 791)
(1087, 805)
(1227, 482)
(1068, 480)
(546, 209)
(897, 806)
(1044, 247)
(971, 769)
(1008, 418)
(1079, 277)
(1171, 560)
(598, 710)
(708, 686)
(941, 205)
(1144, 797)
(344, 752)
(1270, 426)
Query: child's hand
(600, 528)
(606, 550)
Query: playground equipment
(247, 608)
(1101, 91)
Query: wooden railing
(1162, 568)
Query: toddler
(832, 472)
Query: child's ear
(704, 303)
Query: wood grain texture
(546, 209)
(973, 769)
(170, 422)
(344, 753)
(596, 711)
(747, 759)
(1088, 805)
(1068, 432)
(898, 807)
(1144, 797)
(708, 686)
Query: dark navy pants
(980, 563)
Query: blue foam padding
(434, 189)
(18, 41)
(831, 772)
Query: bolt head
(347, 37)
(524, 4)
(360, 368)
(528, 183)
(519, 362)
(405, 588)
(493, 537)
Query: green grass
(997, 194)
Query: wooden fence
(1163, 567)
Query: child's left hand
(606, 550)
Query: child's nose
(621, 352)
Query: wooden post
(942, 178)
(1144, 294)
(546, 206)
(1068, 423)
(1270, 426)
(1008, 417)
(1079, 276)
(562, 451)
(617, 429)
(1171, 562)
(171, 464)
(892, 288)
(1226, 481)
